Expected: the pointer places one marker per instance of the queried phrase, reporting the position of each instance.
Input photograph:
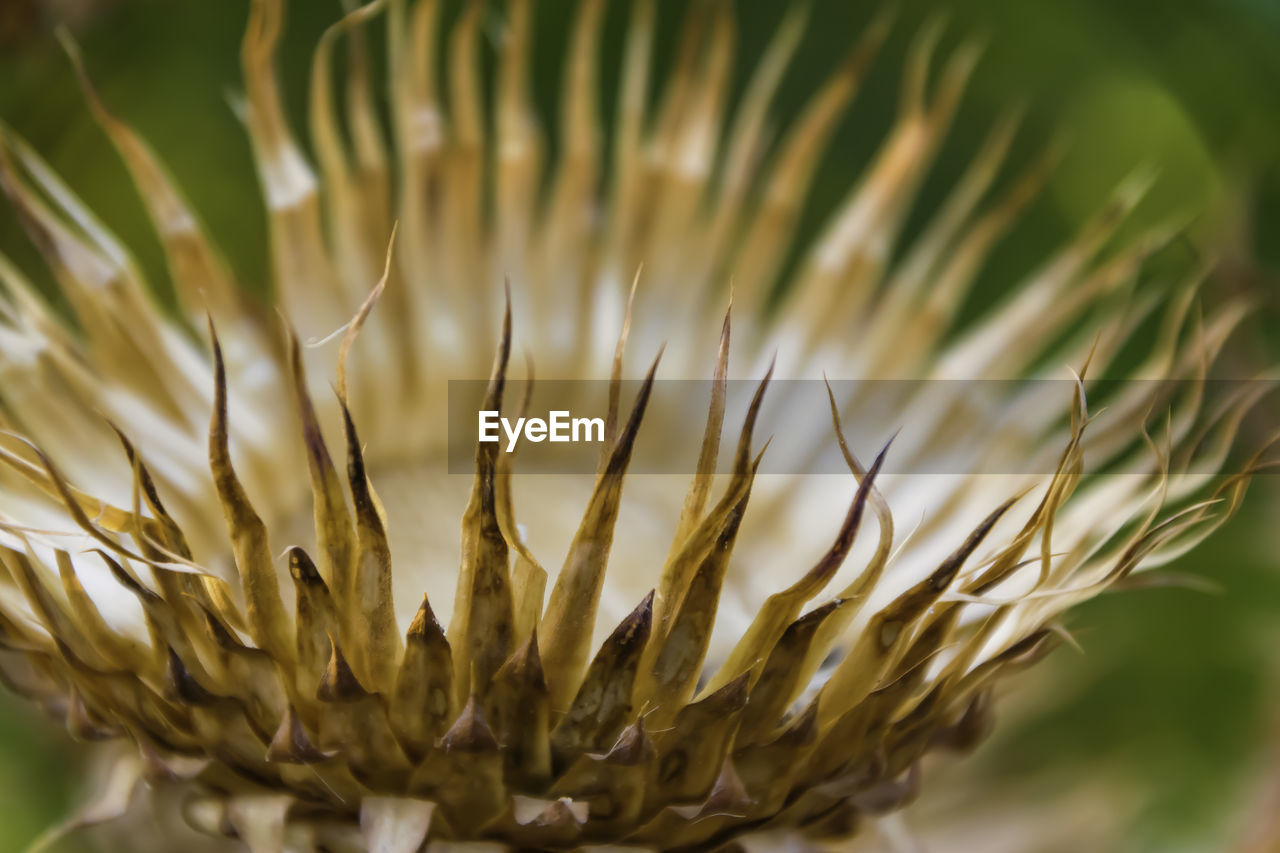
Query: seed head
(190, 574)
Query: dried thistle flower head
(188, 574)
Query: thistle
(189, 575)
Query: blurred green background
(1176, 699)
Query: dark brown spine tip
(620, 456)
(526, 663)
(144, 476)
(743, 454)
(339, 683)
(424, 626)
(878, 462)
(811, 620)
(291, 745)
(944, 574)
(220, 633)
(498, 377)
(183, 685)
(213, 335)
(634, 746)
(730, 698)
(470, 732)
(634, 629)
(867, 481)
(825, 610)
(125, 579)
(853, 518)
(361, 494)
(728, 796)
(302, 569)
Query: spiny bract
(306, 697)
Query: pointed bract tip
(291, 744)
(339, 684)
(525, 663)
(183, 685)
(633, 746)
(470, 732)
(424, 623)
(729, 698)
(302, 569)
